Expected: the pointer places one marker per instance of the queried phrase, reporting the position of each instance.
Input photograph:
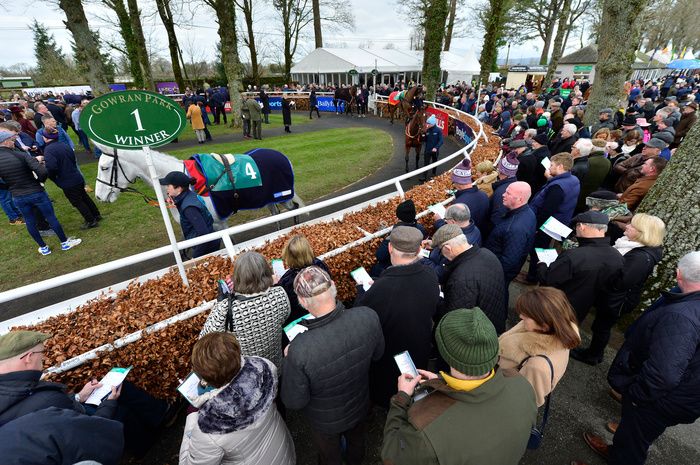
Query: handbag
(537, 432)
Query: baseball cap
(175, 178)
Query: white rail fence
(230, 249)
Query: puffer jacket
(659, 363)
(326, 370)
(627, 291)
(238, 424)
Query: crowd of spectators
(439, 293)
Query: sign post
(136, 119)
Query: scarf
(624, 245)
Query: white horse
(118, 169)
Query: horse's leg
(274, 210)
(418, 149)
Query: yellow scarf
(465, 384)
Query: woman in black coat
(286, 114)
(641, 250)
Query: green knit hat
(467, 341)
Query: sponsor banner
(443, 119)
(275, 103)
(463, 132)
(167, 87)
(326, 104)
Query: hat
(312, 281)
(405, 239)
(4, 135)
(432, 120)
(606, 110)
(541, 121)
(15, 343)
(406, 211)
(591, 217)
(665, 136)
(446, 233)
(467, 341)
(508, 165)
(555, 103)
(599, 144)
(518, 144)
(541, 139)
(629, 120)
(604, 195)
(176, 178)
(642, 122)
(670, 98)
(656, 143)
(692, 105)
(462, 173)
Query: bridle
(408, 127)
(114, 180)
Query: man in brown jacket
(631, 169)
(651, 169)
(688, 117)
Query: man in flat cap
(405, 298)
(585, 272)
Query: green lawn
(324, 161)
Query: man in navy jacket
(657, 370)
(433, 142)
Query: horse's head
(113, 174)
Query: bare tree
(85, 44)
(318, 33)
(246, 7)
(130, 47)
(166, 16)
(558, 47)
(140, 41)
(435, 16)
(492, 17)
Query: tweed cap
(656, 143)
(15, 343)
(468, 342)
(446, 233)
(591, 217)
(518, 144)
(405, 239)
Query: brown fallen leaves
(162, 358)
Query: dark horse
(346, 94)
(415, 131)
(406, 103)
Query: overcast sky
(373, 21)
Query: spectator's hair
(615, 134)
(531, 110)
(13, 126)
(652, 229)
(668, 122)
(659, 164)
(216, 358)
(37, 105)
(549, 307)
(603, 133)
(564, 159)
(584, 146)
(570, 128)
(45, 118)
(599, 227)
(664, 111)
(458, 212)
(689, 266)
(531, 132)
(251, 273)
(297, 252)
(632, 135)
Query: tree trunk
(616, 48)
(247, 8)
(129, 40)
(135, 16)
(553, 10)
(562, 30)
(435, 16)
(318, 34)
(287, 28)
(450, 25)
(674, 199)
(85, 44)
(226, 17)
(166, 16)
(489, 51)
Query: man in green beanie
(477, 413)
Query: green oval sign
(132, 119)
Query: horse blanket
(254, 179)
(396, 97)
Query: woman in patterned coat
(254, 312)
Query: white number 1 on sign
(249, 171)
(137, 117)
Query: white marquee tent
(334, 65)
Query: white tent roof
(342, 60)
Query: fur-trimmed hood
(518, 343)
(243, 401)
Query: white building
(355, 65)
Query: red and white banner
(442, 119)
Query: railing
(225, 235)
(231, 250)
